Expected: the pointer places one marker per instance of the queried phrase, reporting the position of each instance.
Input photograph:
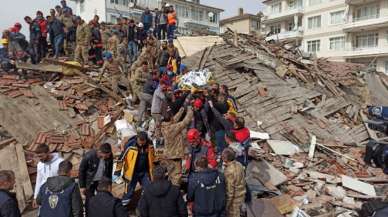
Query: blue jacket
(207, 190)
(8, 205)
(146, 18)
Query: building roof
(238, 18)
(195, 4)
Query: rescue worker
(146, 19)
(104, 204)
(47, 167)
(235, 183)
(113, 43)
(112, 66)
(137, 159)
(162, 195)
(146, 96)
(132, 41)
(42, 22)
(174, 57)
(174, 133)
(206, 191)
(70, 31)
(105, 35)
(95, 166)
(83, 37)
(57, 33)
(8, 202)
(35, 35)
(171, 22)
(138, 80)
(68, 202)
(198, 148)
(96, 41)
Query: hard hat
(107, 55)
(17, 25)
(198, 103)
(192, 135)
(168, 5)
(140, 25)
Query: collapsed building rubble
(313, 111)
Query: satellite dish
(131, 4)
(210, 14)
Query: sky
(15, 10)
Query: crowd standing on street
(191, 161)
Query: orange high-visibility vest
(171, 18)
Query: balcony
(366, 23)
(358, 2)
(286, 35)
(275, 17)
(357, 52)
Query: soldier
(113, 43)
(105, 35)
(67, 19)
(138, 80)
(83, 37)
(112, 66)
(235, 183)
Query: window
(386, 67)
(314, 22)
(337, 43)
(315, 2)
(290, 26)
(313, 46)
(201, 15)
(367, 12)
(194, 14)
(293, 4)
(125, 2)
(275, 29)
(213, 18)
(254, 25)
(114, 1)
(337, 17)
(276, 8)
(366, 40)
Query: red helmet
(192, 135)
(17, 25)
(197, 103)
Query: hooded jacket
(46, 170)
(8, 205)
(207, 192)
(105, 205)
(60, 183)
(162, 196)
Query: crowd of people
(192, 161)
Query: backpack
(374, 208)
(56, 204)
(215, 198)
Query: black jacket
(162, 199)
(8, 205)
(59, 183)
(131, 33)
(208, 192)
(105, 205)
(88, 168)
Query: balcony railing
(368, 17)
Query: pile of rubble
(312, 109)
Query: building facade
(192, 15)
(342, 30)
(242, 23)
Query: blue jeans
(220, 141)
(58, 44)
(171, 31)
(142, 178)
(132, 51)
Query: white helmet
(140, 25)
(167, 5)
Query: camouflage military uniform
(113, 43)
(137, 81)
(69, 26)
(235, 188)
(83, 38)
(114, 71)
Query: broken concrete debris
(313, 104)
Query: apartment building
(192, 15)
(242, 22)
(342, 30)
